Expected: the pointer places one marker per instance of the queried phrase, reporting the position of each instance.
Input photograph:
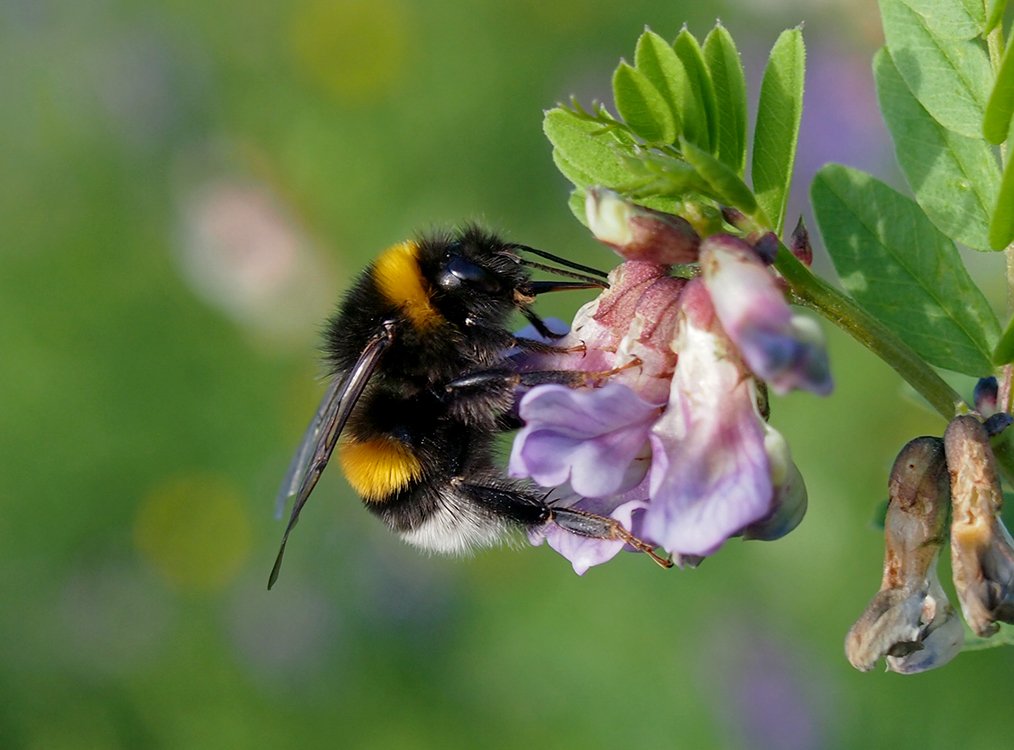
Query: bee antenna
(556, 259)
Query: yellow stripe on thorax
(378, 467)
(400, 282)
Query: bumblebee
(421, 383)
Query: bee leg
(600, 527)
(540, 325)
(525, 510)
(533, 345)
(510, 379)
(511, 504)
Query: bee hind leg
(527, 511)
(594, 526)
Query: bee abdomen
(379, 467)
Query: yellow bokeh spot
(353, 48)
(194, 530)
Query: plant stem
(995, 45)
(820, 296)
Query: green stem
(820, 296)
(995, 45)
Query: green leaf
(657, 61)
(727, 77)
(701, 99)
(994, 14)
(966, 14)
(902, 270)
(1000, 106)
(573, 173)
(1004, 352)
(665, 176)
(955, 179)
(726, 186)
(586, 152)
(776, 133)
(777, 129)
(951, 19)
(576, 203)
(949, 76)
(641, 106)
(1001, 228)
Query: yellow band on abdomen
(378, 467)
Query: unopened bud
(800, 245)
(735, 217)
(910, 621)
(639, 233)
(982, 553)
(766, 248)
(984, 396)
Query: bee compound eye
(460, 271)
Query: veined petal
(601, 325)
(588, 437)
(783, 349)
(710, 474)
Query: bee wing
(299, 467)
(322, 435)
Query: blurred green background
(185, 188)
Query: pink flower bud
(638, 233)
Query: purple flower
(789, 501)
(784, 349)
(710, 475)
(674, 445)
(634, 320)
(588, 438)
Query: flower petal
(710, 474)
(790, 499)
(941, 640)
(588, 437)
(783, 349)
(639, 233)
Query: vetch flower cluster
(675, 445)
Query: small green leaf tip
(776, 134)
(641, 106)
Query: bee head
(473, 275)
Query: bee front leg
(501, 379)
